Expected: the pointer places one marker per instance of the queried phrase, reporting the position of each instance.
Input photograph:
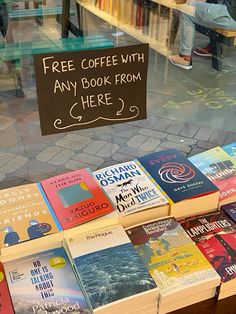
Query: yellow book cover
(180, 267)
(172, 258)
(25, 214)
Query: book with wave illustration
(111, 272)
(45, 283)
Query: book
(135, 196)
(112, 274)
(230, 210)
(220, 168)
(5, 299)
(25, 217)
(215, 235)
(76, 197)
(230, 149)
(174, 261)
(45, 283)
(188, 190)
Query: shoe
(180, 62)
(203, 52)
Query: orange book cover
(76, 197)
(5, 299)
(25, 214)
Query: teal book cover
(74, 194)
(230, 149)
(44, 283)
(220, 168)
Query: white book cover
(110, 269)
(129, 188)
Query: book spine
(146, 17)
(59, 227)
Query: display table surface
(211, 306)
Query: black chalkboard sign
(86, 89)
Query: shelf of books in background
(215, 235)
(25, 217)
(145, 20)
(182, 273)
(220, 168)
(111, 272)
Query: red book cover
(215, 236)
(76, 197)
(5, 300)
(139, 14)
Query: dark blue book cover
(176, 175)
(230, 210)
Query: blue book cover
(230, 210)
(109, 266)
(45, 283)
(230, 149)
(176, 175)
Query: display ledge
(154, 44)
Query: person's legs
(206, 14)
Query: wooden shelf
(186, 8)
(159, 47)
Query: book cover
(45, 283)
(25, 214)
(170, 256)
(108, 266)
(5, 299)
(76, 197)
(220, 168)
(215, 236)
(230, 149)
(230, 210)
(129, 188)
(176, 175)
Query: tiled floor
(189, 110)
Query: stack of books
(77, 219)
(111, 272)
(188, 190)
(45, 283)
(26, 215)
(220, 168)
(136, 197)
(183, 274)
(215, 236)
(77, 199)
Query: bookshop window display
(135, 204)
